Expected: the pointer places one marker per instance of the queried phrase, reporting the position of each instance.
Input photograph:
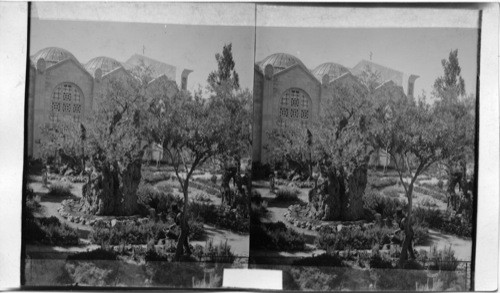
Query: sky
(411, 50)
(184, 46)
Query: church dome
(52, 55)
(279, 61)
(333, 70)
(106, 65)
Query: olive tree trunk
(112, 191)
(342, 196)
(182, 241)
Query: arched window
(67, 100)
(295, 104)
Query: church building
(59, 85)
(284, 88)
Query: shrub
(154, 177)
(276, 237)
(379, 262)
(130, 233)
(151, 197)
(351, 237)
(383, 205)
(213, 179)
(394, 193)
(49, 231)
(440, 184)
(379, 183)
(153, 255)
(256, 197)
(196, 230)
(430, 203)
(97, 254)
(261, 171)
(326, 259)
(444, 221)
(222, 216)
(443, 260)
(202, 197)
(421, 234)
(287, 193)
(217, 253)
(60, 189)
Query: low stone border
(97, 222)
(304, 224)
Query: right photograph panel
(364, 147)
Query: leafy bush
(152, 197)
(153, 255)
(443, 260)
(391, 192)
(379, 183)
(440, 184)
(49, 231)
(326, 259)
(97, 254)
(203, 197)
(196, 230)
(287, 193)
(261, 171)
(444, 221)
(60, 189)
(256, 197)
(276, 237)
(220, 253)
(154, 177)
(351, 237)
(383, 205)
(379, 262)
(421, 234)
(430, 203)
(222, 216)
(131, 233)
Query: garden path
(50, 205)
(278, 209)
(240, 243)
(461, 246)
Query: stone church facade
(61, 86)
(284, 88)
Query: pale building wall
(273, 89)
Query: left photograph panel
(137, 144)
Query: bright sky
(184, 46)
(412, 50)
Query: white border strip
(342, 17)
(233, 14)
(486, 275)
(13, 32)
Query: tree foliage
(451, 85)
(225, 71)
(112, 140)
